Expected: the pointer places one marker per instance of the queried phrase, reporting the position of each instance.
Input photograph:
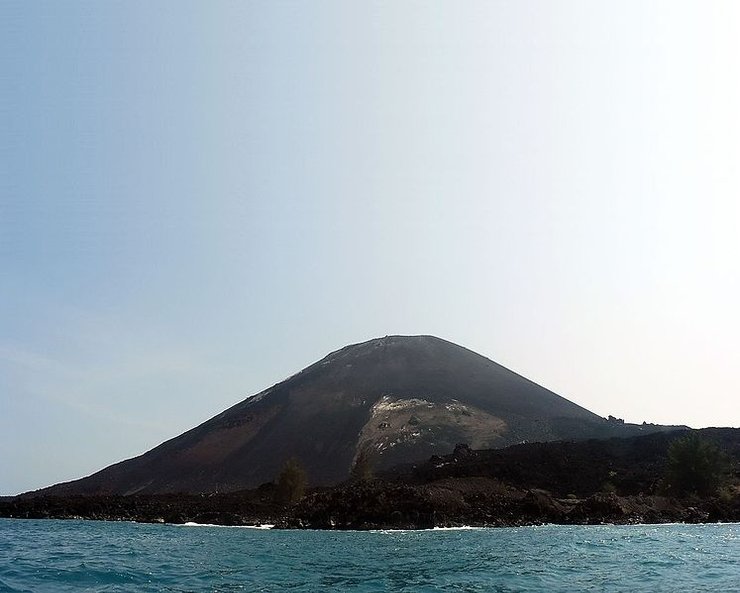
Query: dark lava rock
(522, 485)
(363, 505)
(599, 508)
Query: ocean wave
(192, 524)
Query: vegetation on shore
(691, 476)
(291, 483)
(696, 467)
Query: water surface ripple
(59, 556)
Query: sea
(58, 556)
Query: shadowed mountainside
(396, 399)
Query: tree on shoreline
(695, 466)
(291, 483)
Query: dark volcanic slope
(399, 398)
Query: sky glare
(198, 199)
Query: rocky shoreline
(481, 502)
(617, 481)
(377, 504)
(251, 507)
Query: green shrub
(291, 483)
(695, 467)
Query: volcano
(395, 400)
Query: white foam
(191, 524)
(392, 531)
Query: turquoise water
(58, 556)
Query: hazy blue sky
(198, 199)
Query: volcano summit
(397, 399)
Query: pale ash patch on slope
(387, 405)
(417, 422)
